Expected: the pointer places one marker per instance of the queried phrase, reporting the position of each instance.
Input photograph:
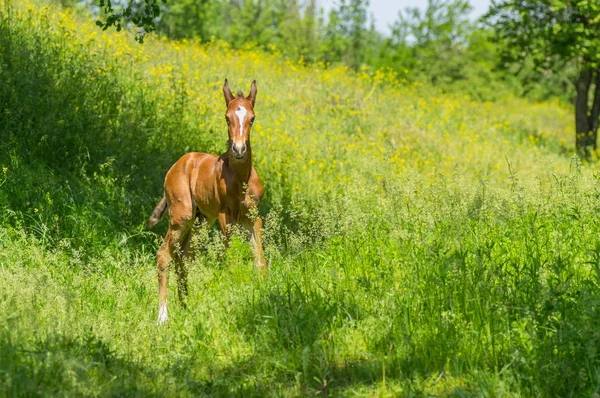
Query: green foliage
(299, 29)
(548, 30)
(140, 13)
(346, 37)
(68, 123)
(442, 46)
(191, 19)
(552, 34)
(407, 256)
(289, 26)
(439, 45)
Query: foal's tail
(158, 212)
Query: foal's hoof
(163, 316)
(261, 265)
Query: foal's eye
(227, 119)
(252, 121)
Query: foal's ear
(227, 93)
(252, 96)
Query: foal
(210, 187)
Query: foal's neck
(242, 167)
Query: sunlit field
(418, 243)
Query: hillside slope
(418, 243)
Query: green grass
(418, 244)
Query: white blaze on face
(241, 114)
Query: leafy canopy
(547, 31)
(142, 14)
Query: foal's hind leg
(180, 224)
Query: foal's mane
(240, 94)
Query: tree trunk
(594, 114)
(582, 122)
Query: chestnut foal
(210, 187)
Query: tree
(298, 29)
(437, 38)
(442, 45)
(196, 19)
(346, 34)
(446, 22)
(552, 34)
(248, 21)
(141, 13)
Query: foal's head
(239, 117)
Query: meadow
(419, 244)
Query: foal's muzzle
(239, 149)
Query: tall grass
(418, 244)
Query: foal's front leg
(224, 220)
(253, 223)
(256, 243)
(181, 268)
